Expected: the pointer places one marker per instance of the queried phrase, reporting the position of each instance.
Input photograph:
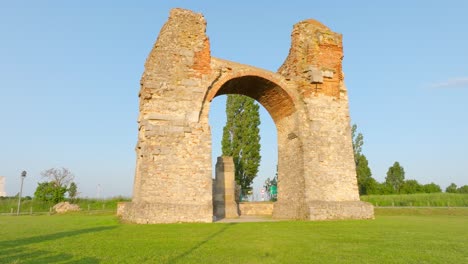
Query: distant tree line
(395, 182)
(452, 188)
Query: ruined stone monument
(224, 200)
(306, 98)
(2, 186)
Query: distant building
(2, 186)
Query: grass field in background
(7, 204)
(408, 235)
(419, 199)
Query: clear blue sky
(70, 71)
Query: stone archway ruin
(306, 99)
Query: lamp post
(23, 175)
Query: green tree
(57, 185)
(384, 188)
(412, 186)
(463, 189)
(49, 192)
(358, 141)
(366, 184)
(60, 176)
(432, 188)
(72, 191)
(395, 177)
(452, 188)
(241, 138)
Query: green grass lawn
(395, 236)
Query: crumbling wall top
(315, 59)
(182, 46)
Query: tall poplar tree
(395, 177)
(241, 138)
(366, 184)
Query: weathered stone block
(314, 75)
(224, 201)
(332, 210)
(65, 207)
(256, 208)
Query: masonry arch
(271, 91)
(306, 98)
(276, 100)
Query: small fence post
(30, 210)
(11, 211)
(89, 207)
(393, 203)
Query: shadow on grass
(201, 243)
(14, 251)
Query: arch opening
(268, 141)
(269, 94)
(280, 106)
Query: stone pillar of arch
(306, 99)
(224, 189)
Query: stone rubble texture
(65, 207)
(306, 98)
